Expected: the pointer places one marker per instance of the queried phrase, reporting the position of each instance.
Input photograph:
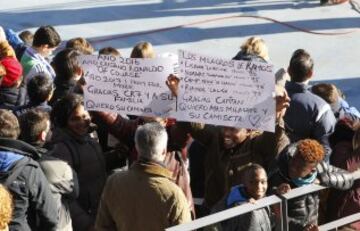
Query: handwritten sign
(226, 92)
(127, 86)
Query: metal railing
(340, 222)
(266, 201)
(296, 192)
(226, 214)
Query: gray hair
(151, 141)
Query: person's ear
(164, 152)
(164, 122)
(50, 95)
(42, 136)
(79, 71)
(18, 82)
(45, 46)
(309, 74)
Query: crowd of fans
(65, 168)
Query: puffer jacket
(63, 184)
(34, 206)
(303, 210)
(257, 220)
(9, 97)
(84, 155)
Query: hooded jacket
(34, 206)
(257, 220)
(63, 185)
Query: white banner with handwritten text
(226, 92)
(127, 86)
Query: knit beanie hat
(13, 71)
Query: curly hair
(6, 207)
(310, 150)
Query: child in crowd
(40, 90)
(254, 187)
(27, 37)
(109, 51)
(81, 45)
(34, 60)
(143, 50)
(332, 95)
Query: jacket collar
(152, 168)
(19, 147)
(7, 159)
(60, 134)
(236, 196)
(294, 87)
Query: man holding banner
(230, 149)
(236, 95)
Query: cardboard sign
(127, 86)
(226, 92)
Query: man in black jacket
(35, 127)
(299, 165)
(34, 206)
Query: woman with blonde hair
(6, 208)
(143, 50)
(254, 49)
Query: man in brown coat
(143, 198)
